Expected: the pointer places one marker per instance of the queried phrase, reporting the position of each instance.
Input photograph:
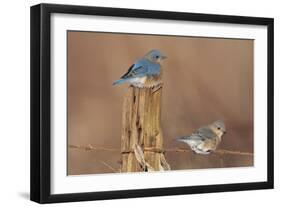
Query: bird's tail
(120, 81)
(181, 139)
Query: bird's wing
(205, 132)
(138, 69)
(128, 72)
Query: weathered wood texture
(142, 139)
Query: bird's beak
(164, 57)
(224, 132)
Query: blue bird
(145, 72)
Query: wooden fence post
(142, 139)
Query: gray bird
(205, 139)
(145, 72)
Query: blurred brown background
(205, 79)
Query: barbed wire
(219, 151)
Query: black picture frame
(41, 98)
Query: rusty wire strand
(219, 151)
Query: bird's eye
(156, 56)
(219, 128)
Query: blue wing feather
(140, 68)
